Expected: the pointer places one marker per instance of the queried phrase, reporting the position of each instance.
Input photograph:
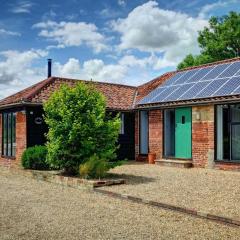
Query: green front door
(183, 133)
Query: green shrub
(79, 127)
(35, 158)
(93, 168)
(96, 167)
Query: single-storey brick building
(22, 124)
(187, 118)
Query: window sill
(227, 162)
(8, 157)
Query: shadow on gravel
(132, 179)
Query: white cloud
(4, 32)
(94, 69)
(149, 28)
(22, 7)
(16, 71)
(208, 8)
(68, 34)
(121, 3)
(70, 69)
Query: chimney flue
(49, 67)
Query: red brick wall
(203, 140)
(155, 132)
(203, 136)
(21, 140)
(227, 166)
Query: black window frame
(8, 133)
(229, 128)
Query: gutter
(199, 103)
(24, 103)
(19, 104)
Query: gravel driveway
(38, 210)
(207, 190)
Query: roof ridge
(96, 82)
(156, 78)
(210, 64)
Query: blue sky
(120, 41)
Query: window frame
(229, 127)
(8, 135)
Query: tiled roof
(118, 96)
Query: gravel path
(207, 190)
(38, 210)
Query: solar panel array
(212, 81)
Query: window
(9, 134)
(228, 132)
(144, 128)
(122, 123)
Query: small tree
(79, 127)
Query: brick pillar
(155, 132)
(21, 140)
(203, 136)
(21, 135)
(136, 135)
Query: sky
(119, 41)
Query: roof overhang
(31, 104)
(19, 104)
(204, 101)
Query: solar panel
(152, 95)
(212, 81)
(230, 71)
(179, 92)
(238, 73)
(212, 87)
(237, 90)
(215, 72)
(173, 79)
(161, 96)
(186, 77)
(229, 87)
(199, 75)
(193, 91)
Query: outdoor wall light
(198, 116)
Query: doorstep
(174, 163)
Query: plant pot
(151, 158)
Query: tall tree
(219, 41)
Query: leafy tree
(79, 127)
(219, 41)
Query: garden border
(74, 182)
(192, 212)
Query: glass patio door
(228, 132)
